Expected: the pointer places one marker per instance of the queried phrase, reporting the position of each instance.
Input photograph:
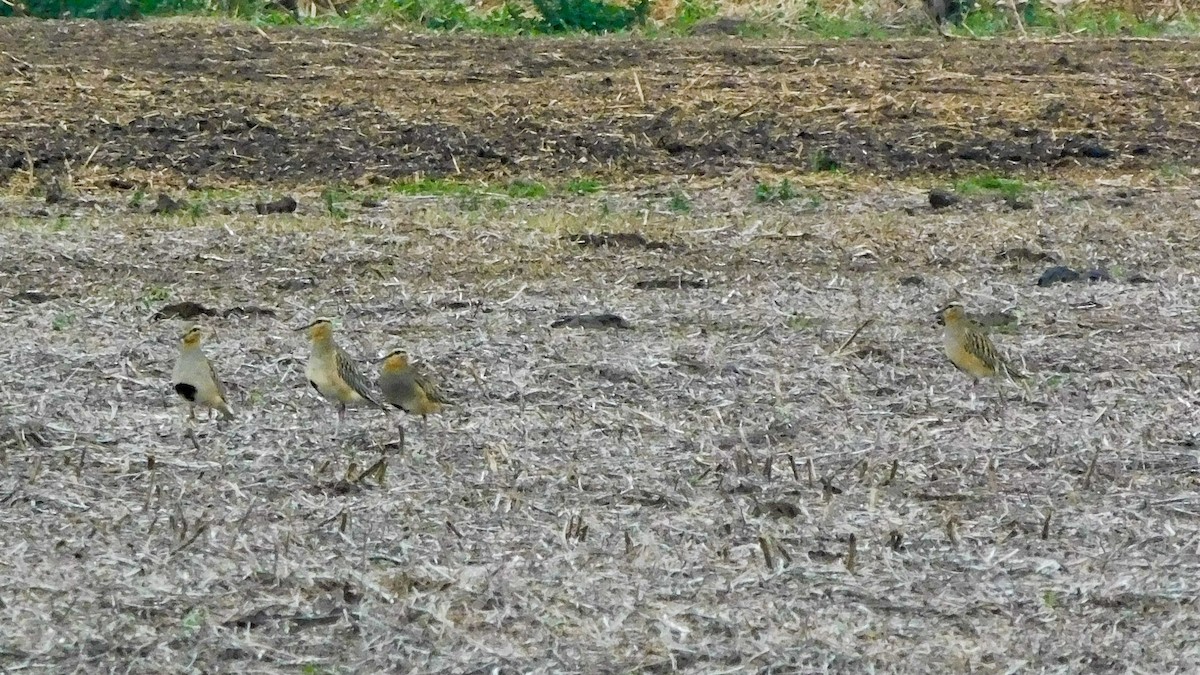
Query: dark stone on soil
(165, 203)
(285, 204)
(34, 297)
(912, 280)
(1095, 151)
(183, 310)
(1018, 204)
(975, 154)
(248, 310)
(296, 284)
(630, 239)
(723, 25)
(56, 192)
(459, 304)
(1097, 274)
(1056, 275)
(940, 199)
(591, 321)
(777, 509)
(677, 282)
(1139, 278)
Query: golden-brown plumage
(332, 373)
(969, 349)
(195, 380)
(407, 388)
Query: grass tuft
(1007, 187)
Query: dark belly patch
(186, 390)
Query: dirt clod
(1057, 275)
(940, 198)
(617, 239)
(591, 321)
(285, 204)
(166, 204)
(676, 282)
(248, 310)
(184, 310)
(1026, 254)
(34, 297)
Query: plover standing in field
(332, 373)
(408, 388)
(195, 380)
(969, 349)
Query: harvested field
(770, 468)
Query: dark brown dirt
(216, 103)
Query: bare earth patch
(199, 103)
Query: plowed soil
(202, 101)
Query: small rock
(121, 184)
(1095, 151)
(912, 280)
(1139, 278)
(591, 321)
(165, 203)
(371, 202)
(973, 154)
(1058, 274)
(459, 304)
(34, 297)
(1018, 253)
(724, 25)
(1018, 203)
(618, 375)
(296, 284)
(940, 199)
(1097, 274)
(248, 310)
(183, 310)
(677, 282)
(56, 192)
(776, 509)
(823, 556)
(285, 204)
